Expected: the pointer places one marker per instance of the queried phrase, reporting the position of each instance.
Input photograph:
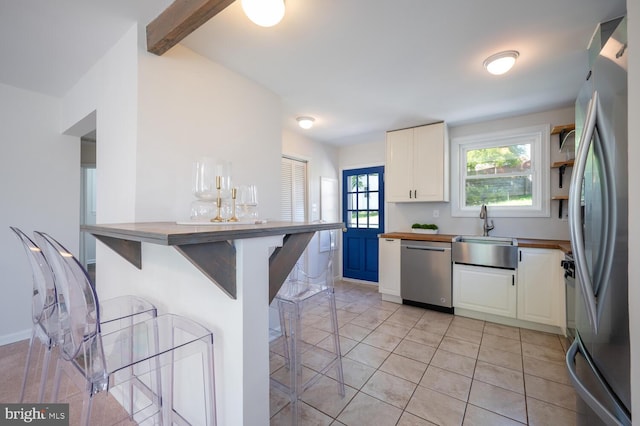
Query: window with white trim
(508, 171)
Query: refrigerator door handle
(602, 412)
(575, 226)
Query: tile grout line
(402, 338)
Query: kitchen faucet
(483, 215)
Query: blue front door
(363, 214)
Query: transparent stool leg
(27, 365)
(283, 328)
(45, 371)
(87, 403)
(210, 397)
(336, 341)
(295, 359)
(56, 380)
(166, 395)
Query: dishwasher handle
(426, 248)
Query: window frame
(538, 136)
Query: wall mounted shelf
(561, 199)
(561, 166)
(563, 131)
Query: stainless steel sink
(494, 252)
(485, 240)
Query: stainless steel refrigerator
(599, 359)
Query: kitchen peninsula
(248, 263)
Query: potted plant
(424, 228)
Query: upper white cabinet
(417, 164)
(541, 293)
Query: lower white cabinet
(541, 293)
(389, 269)
(487, 290)
(534, 292)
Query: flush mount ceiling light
(305, 122)
(501, 62)
(265, 13)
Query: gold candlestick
(233, 217)
(218, 218)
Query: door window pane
(374, 182)
(373, 201)
(363, 200)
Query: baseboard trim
(355, 281)
(513, 322)
(15, 337)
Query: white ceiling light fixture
(305, 122)
(501, 62)
(265, 13)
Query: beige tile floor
(106, 410)
(403, 366)
(410, 366)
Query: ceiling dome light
(305, 122)
(265, 13)
(501, 62)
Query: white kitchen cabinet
(541, 293)
(482, 289)
(389, 269)
(417, 164)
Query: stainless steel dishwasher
(425, 274)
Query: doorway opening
(88, 200)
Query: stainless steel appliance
(492, 252)
(570, 292)
(599, 359)
(425, 277)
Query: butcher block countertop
(563, 245)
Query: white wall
(191, 107)
(634, 201)
(363, 154)
(108, 92)
(400, 216)
(155, 116)
(40, 190)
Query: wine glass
(204, 179)
(247, 199)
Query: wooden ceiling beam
(179, 20)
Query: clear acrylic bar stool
(150, 366)
(301, 288)
(45, 312)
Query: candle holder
(218, 218)
(233, 217)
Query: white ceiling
(360, 67)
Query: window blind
(294, 189)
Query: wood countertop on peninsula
(563, 245)
(209, 247)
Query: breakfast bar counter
(243, 266)
(209, 246)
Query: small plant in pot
(424, 228)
